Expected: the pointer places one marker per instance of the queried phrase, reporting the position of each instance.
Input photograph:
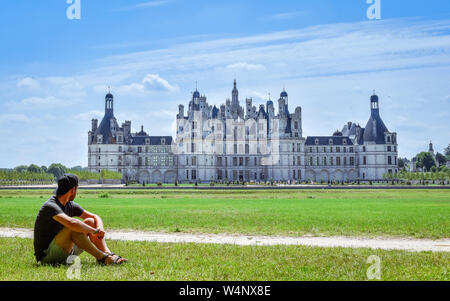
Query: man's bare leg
(66, 238)
(99, 243)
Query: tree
(79, 168)
(57, 169)
(403, 163)
(441, 159)
(21, 168)
(425, 160)
(34, 168)
(44, 168)
(447, 151)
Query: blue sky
(55, 72)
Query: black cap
(65, 183)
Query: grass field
(182, 262)
(407, 213)
(413, 213)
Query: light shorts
(57, 255)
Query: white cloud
(148, 4)
(288, 15)
(150, 83)
(89, 115)
(260, 96)
(8, 118)
(43, 101)
(245, 66)
(155, 82)
(29, 83)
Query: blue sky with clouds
(55, 72)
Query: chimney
(94, 125)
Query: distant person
(57, 234)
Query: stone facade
(237, 143)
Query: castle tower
(109, 104)
(235, 95)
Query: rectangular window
(338, 161)
(389, 160)
(364, 160)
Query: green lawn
(408, 213)
(183, 262)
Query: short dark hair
(65, 183)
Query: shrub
(104, 195)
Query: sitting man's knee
(90, 221)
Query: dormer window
(344, 141)
(316, 141)
(330, 141)
(99, 139)
(163, 141)
(147, 141)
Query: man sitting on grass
(57, 234)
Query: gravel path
(414, 245)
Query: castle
(236, 143)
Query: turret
(180, 111)
(94, 125)
(235, 95)
(248, 103)
(375, 128)
(109, 105)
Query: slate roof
(105, 128)
(154, 140)
(375, 129)
(324, 140)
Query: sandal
(115, 261)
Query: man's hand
(100, 233)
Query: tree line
(34, 174)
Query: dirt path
(414, 245)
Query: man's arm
(97, 219)
(74, 224)
(98, 222)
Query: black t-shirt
(46, 228)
